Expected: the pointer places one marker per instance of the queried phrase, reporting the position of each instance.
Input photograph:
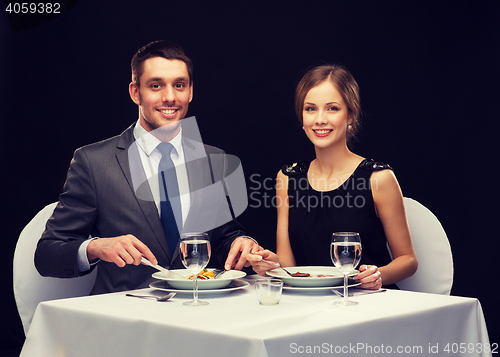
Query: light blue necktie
(170, 207)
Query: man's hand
(120, 250)
(240, 248)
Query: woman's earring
(349, 127)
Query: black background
(428, 73)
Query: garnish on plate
(205, 274)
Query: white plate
(233, 285)
(312, 281)
(186, 284)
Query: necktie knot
(166, 162)
(165, 148)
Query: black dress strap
(372, 165)
(295, 168)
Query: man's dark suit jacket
(99, 200)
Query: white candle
(268, 299)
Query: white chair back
(30, 288)
(435, 260)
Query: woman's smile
(322, 132)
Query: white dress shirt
(150, 158)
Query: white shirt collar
(148, 142)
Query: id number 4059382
(464, 348)
(33, 8)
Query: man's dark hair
(165, 49)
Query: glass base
(345, 303)
(195, 303)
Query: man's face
(163, 96)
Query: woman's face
(325, 116)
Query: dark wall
(428, 73)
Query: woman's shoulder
(381, 174)
(295, 168)
(372, 165)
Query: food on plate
(205, 274)
(308, 275)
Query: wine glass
(345, 251)
(195, 253)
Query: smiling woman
(325, 117)
(327, 104)
(343, 84)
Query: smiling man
(100, 200)
(163, 92)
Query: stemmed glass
(345, 251)
(195, 253)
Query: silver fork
(277, 265)
(161, 298)
(218, 273)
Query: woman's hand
(240, 248)
(369, 276)
(260, 266)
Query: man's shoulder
(196, 146)
(209, 149)
(123, 140)
(100, 145)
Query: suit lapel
(130, 163)
(198, 172)
(208, 203)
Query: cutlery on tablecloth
(161, 299)
(359, 292)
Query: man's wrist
(85, 262)
(249, 238)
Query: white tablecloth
(234, 324)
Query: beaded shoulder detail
(371, 165)
(295, 168)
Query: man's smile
(168, 112)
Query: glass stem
(345, 289)
(195, 290)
